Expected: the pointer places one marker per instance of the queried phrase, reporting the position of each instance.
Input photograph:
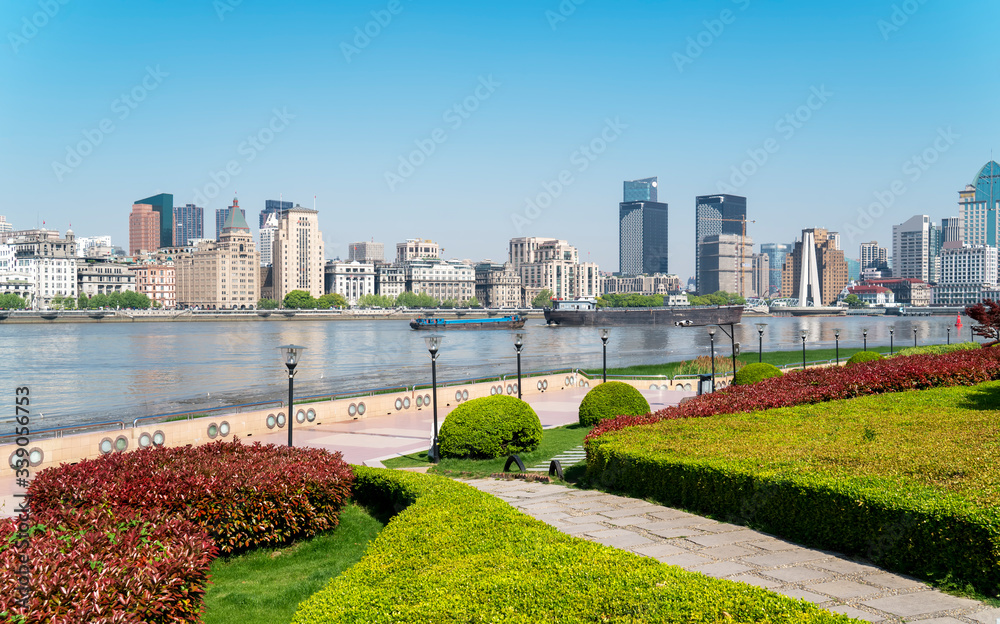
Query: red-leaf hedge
(244, 496)
(817, 385)
(104, 565)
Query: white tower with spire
(809, 287)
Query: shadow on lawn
(984, 397)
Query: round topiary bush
(609, 400)
(752, 373)
(864, 356)
(490, 427)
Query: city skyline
(538, 134)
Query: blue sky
(590, 92)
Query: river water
(96, 372)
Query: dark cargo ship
(586, 313)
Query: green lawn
(267, 585)
(554, 442)
(778, 358)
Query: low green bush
(938, 349)
(490, 427)
(752, 373)
(611, 399)
(455, 554)
(864, 356)
(907, 480)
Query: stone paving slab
(858, 590)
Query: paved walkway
(736, 553)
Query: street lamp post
(949, 334)
(605, 333)
(291, 354)
(892, 330)
(836, 336)
(864, 332)
(805, 332)
(433, 345)
(914, 336)
(711, 337)
(760, 341)
(518, 344)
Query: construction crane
(743, 247)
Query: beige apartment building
(657, 284)
(554, 265)
(223, 275)
(158, 281)
(297, 257)
(498, 285)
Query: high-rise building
(498, 285)
(143, 229)
(189, 224)
(725, 262)
(641, 190)
(5, 225)
(977, 205)
(273, 207)
(221, 214)
(911, 249)
(776, 253)
(298, 253)
(223, 274)
(966, 273)
(814, 272)
(267, 233)
(951, 233)
(874, 257)
(760, 285)
(366, 252)
(642, 238)
(553, 265)
(163, 205)
(417, 249)
(714, 215)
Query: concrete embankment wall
(121, 317)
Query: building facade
(874, 257)
(648, 285)
(912, 292)
(640, 190)
(352, 280)
(366, 252)
(14, 281)
(46, 261)
(815, 271)
(725, 262)
(221, 275)
(715, 215)
(911, 249)
(417, 249)
(390, 280)
(163, 205)
(642, 238)
(441, 279)
(553, 265)
(222, 214)
(760, 281)
(498, 285)
(158, 281)
(273, 207)
(143, 229)
(776, 253)
(977, 207)
(6, 227)
(267, 232)
(103, 278)
(875, 296)
(189, 224)
(966, 273)
(298, 260)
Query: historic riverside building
(553, 265)
(390, 280)
(815, 271)
(642, 230)
(222, 214)
(13, 281)
(103, 278)
(353, 280)
(143, 229)
(47, 261)
(441, 279)
(725, 263)
(498, 285)
(657, 284)
(221, 275)
(298, 260)
(158, 281)
(366, 252)
(417, 249)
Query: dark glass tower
(189, 223)
(642, 230)
(716, 214)
(164, 205)
(641, 190)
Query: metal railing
(231, 409)
(57, 432)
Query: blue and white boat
(515, 321)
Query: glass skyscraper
(776, 253)
(978, 205)
(189, 224)
(275, 207)
(717, 214)
(642, 230)
(164, 205)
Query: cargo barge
(586, 313)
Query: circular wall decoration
(106, 446)
(399, 404)
(36, 456)
(213, 431)
(159, 438)
(271, 421)
(352, 410)
(311, 415)
(361, 409)
(121, 443)
(281, 420)
(406, 402)
(145, 440)
(465, 395)
(224, 429)
(300, 416)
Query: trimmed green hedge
(490, 427)
(456, 554)
(753, 373)
(864, 356)
(903, 480)
(611, 399)
(938, 349)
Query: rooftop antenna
(314, 202)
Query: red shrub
(244, 496)
(101, 565)
(818, 385)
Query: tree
(299, 300)
(83, 301)
(854, 302)
(376, 301)
(415, 300)
(542, 299)
(718, 298)
(56, 302)
(267, 304)
(987, 314)
(449, 304)
(472, 302)
(10, 301)
(333, 300)
(100, 300)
